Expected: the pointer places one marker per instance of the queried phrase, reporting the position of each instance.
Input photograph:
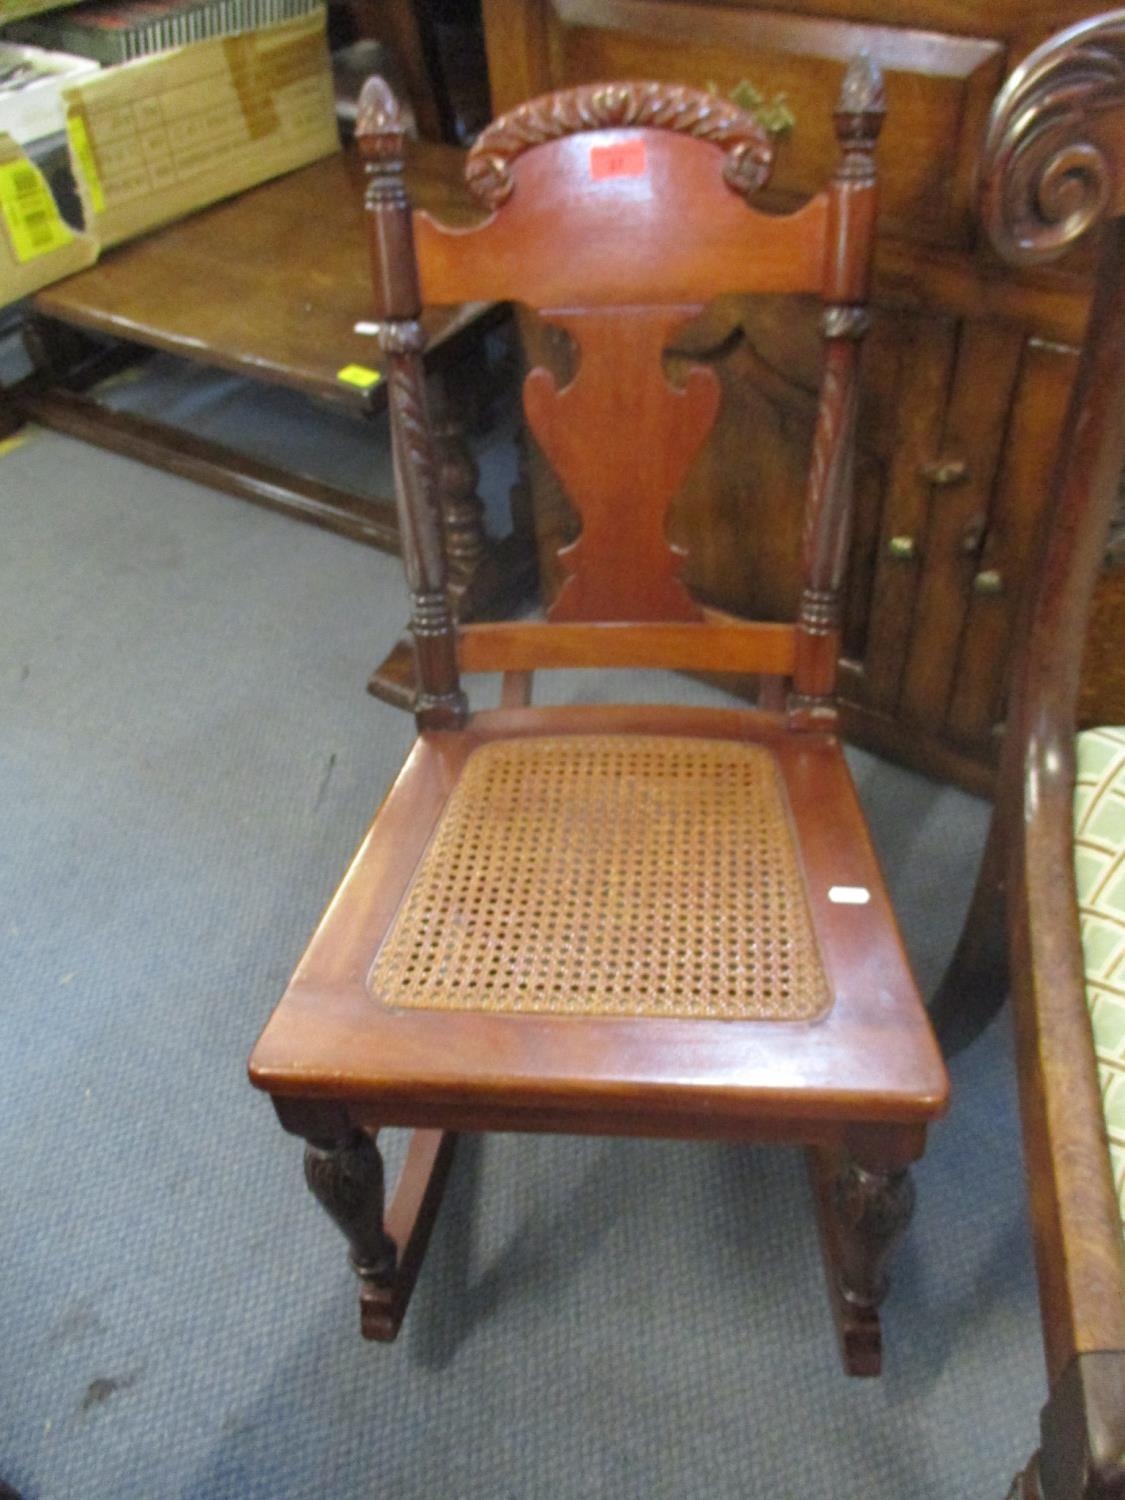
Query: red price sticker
(624, 160)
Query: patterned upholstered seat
(1099, 856)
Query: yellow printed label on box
(359, 375)
(84, 154)
(35, 225)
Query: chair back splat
(616, 212)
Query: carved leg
(863, 1214)
(466, 545)
(346, 1179)
(345, 1174)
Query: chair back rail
(691, 646)
(616, 212)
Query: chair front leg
(345, 1176)
(344, 1171)
(873, 1209)
(864, 1211)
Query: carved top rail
(622, 193)
(616, 106)
(1053, 164)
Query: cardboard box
(156, 139)
(36, 110)
(36, 245)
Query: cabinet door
(1008, 552)
(916, 355)
(957, 480)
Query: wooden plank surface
(269, 284)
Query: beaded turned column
(439, 702)
(852, 207)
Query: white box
(37, 110)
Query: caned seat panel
(610, 875)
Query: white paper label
(849, 895)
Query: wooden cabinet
(967, 370)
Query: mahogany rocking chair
(637, 921)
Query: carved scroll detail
(439, 701)
(607, 106)
(1044, 181)
(417, 476)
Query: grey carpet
(187, 759)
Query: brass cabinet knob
(945, 471)
(903, 548)
(988, 582)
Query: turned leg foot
(863, 1214)
(346, 1179)
(344, 1170)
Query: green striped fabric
(1099, 860)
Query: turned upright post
(380, 132)
(853, 199)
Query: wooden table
(271, 285)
